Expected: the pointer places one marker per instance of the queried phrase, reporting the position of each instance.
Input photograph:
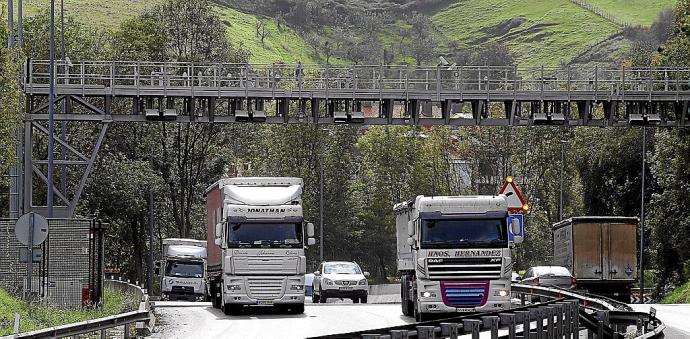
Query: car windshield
(279, 235)
(341, 268)
(464, 233)
(184, 269)
(558, 271)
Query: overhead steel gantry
(103, 92)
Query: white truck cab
(454, 254)
(184, 269)
(256, 240)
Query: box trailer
(601, 252)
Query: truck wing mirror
(410, 228)
(410, 241)
(311, 241)
(310, 230)
(317, 273)
(219, 230)
(218, 242)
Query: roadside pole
(644, 160)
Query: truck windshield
(184, 269)
(265, 235)
(464, 233)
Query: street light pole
(560, 200)
(321, 207)
(644, 160)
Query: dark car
(549, 276)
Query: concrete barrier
(384, 294)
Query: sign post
(516, 205)
(31, 230)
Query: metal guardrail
(298, 77)
(143, 317)
(565, 316)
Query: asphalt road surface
(200, 320)
(675, 317)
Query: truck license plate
(265, 302)
(465, 309)
(346, 288)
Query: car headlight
(234, 287)
(501, 293)
(297, 287)
(327, 281)
(363, 282)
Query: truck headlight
(234, 287)
(363, 282)
(501, 293)
(327, 281)
(427, 294)
(297, 287)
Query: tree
(261, 31)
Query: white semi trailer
(256, 241)
(454, 254)
(184, 269)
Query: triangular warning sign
(516, 203)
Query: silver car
(549, 276)
(340, 279)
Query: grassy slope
(285, 45)
(98, 13)
(680, 295)
(280, 45)
(553, 30)
(634, 11)
(37, 317)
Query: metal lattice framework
(365, 94)
(103, 92)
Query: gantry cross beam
(116, 91)
(395, 95)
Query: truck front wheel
(407, 304)
(230, 309)
(297, 309)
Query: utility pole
(10, 23)
(560, 200)
(51, 111)
(321, 174)
(63, 123)
(20, 24)
(149, 276)
(644, 160)
(321, 206)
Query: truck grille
(183, 289)
(464, 268)
(464, 294)
(265, 288)
(266, 265)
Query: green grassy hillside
(104, 14)
(641, 12)
(280, 45)
(537, 31)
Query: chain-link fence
(70, 272)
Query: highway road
(675, 317)
(200, 320)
